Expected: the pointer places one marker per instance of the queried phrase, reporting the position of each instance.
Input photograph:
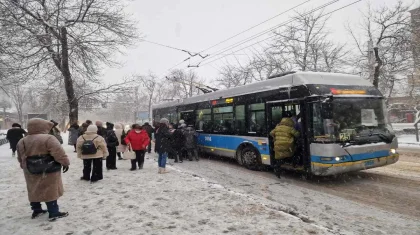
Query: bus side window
(223, 119)
(257, 118)
(203, 120)
(240, 126)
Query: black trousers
(96, 170)
(111, 160)
(149, 147)
(139, 159)
(192, 153)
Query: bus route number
(207, 138)
(344, 137)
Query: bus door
(275, 110)
(187, 116)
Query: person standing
(56, 132)
(163, 144)
(101, 130)
(112, 144)
(44, 187)
(178, 143)
(137, 140)
(83, 128)
(120, 133)
(150, 130)
(91, 148)
(14, 135)
(73, 134)
(191, 142)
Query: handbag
(40, 164)
(129, 155)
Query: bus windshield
(353, 120)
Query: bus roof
(292, 79)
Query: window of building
(240, 125)
(223, 119)
(203, 120)
(257, 118)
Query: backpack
(88, 147)
(111, 139)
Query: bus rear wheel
(249, 158)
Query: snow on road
(144, 202)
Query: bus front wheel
(249, 157)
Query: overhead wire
(265, 31)
(244, 31)
(275, 35)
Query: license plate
(369, 163)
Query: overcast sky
(195, 25)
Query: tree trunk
(68, 81)
(378, 66)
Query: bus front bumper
(323, 169)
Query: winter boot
(141, 166)
(35, 214)
(58, 216)
(164, 171)
(133, 169)
(13, 154)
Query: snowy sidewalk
(408, 141)
(142, 202)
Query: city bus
(343, 118)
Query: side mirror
(327, 110)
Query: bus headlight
(393, 151)
(337, 159)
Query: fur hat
(181, 121)
(164, 120)
(92, 129)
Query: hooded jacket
(284, 138)
(14, 135)
(138, 141)
(110, 136)
(99, 141)
(48, 187)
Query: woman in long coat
(121, 134)
(73, 134)
(46, 187)
(14, 135)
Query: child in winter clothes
(137, 140)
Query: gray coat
(73, 135)
(190, 138)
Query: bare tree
(149, 84)
(70, 38)
(233, 76)
(19, 96)
(384, 48)
(304, 45)
(185, 82)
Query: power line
(246, 30)
(275, 35)
(266, 31)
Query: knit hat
(92, 129)
(181, 121)
(164, 120)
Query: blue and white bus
(343, 118)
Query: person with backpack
(112, 144)
(137, 140)
(42, 158)
(92, 148)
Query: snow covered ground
(206, 197)
(144, 202)
(408, 141)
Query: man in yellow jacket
(284, 136)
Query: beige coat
(45, 187)
(118, 132)
(99, 143)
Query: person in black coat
(101, 129)
(178, 142)
(150, 130)
(14, 135)
(111, 143)
(163, 144)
